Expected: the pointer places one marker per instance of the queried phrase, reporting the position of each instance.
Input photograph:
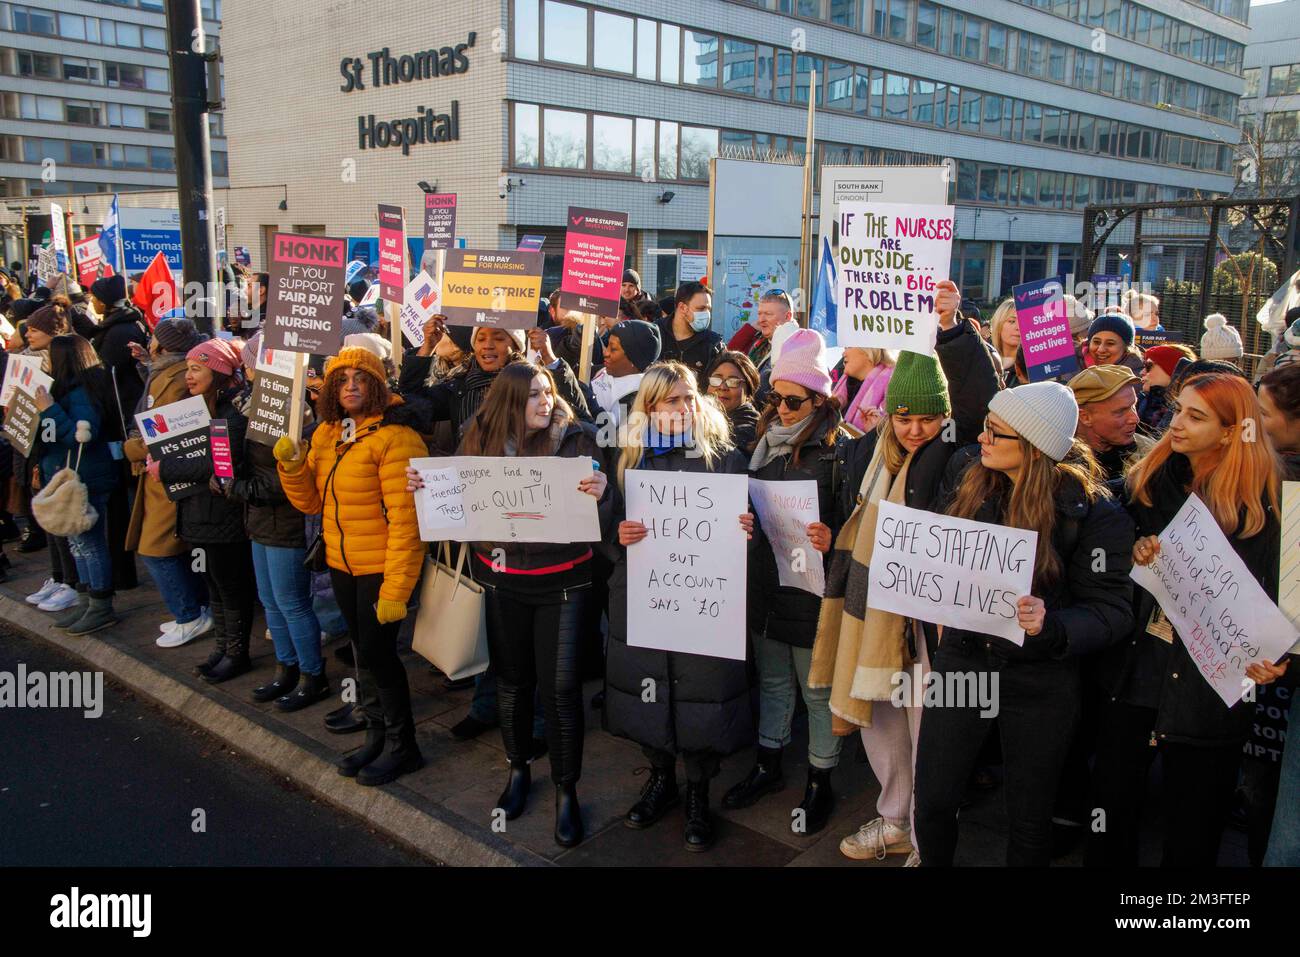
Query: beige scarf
(858, 649)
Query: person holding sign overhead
(800, 439)
(1160, 703)
(669, 702)
(354, 473)
(210, 523)
(1031, 474)
(536, 592)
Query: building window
(526, 134)
(613, 46)
(700, 62)
(969, 268)
(564, 139)
(27, 20)
(667, 150)
(647, 49)
(927, 22)
(764, 72)
(611, 144)
(1282, 126)
(564, 33)
(670, 53)
(698, 147)
(645, 149)
(839, 86)
(1022, 262)
(525, 36)
(43, 66)
(1284, 80)
(1251, 76)
(805, 65)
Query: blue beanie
(1115, 322)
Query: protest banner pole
(589, 321)
(297, 400)
(394, 312)
(805, 230)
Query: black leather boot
(345, 720)
(219, 634)
(514, 798)
(371, 711)
(311, 688)
(817, 804)
(232, 664)
(763, 778)
(568, 816)
(401, 753)
(285, 680)
(699, 825)
(657, 797)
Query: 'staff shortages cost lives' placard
(594, 245)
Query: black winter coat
(697, 352)
(566, 343)
(209, 517)
(1146, 671)
(268, 516)
(701, 703)
(778, 611)
(123, 325)
(744, 426)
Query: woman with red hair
(1158, 703)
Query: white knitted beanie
(1220, 341)
(1044, 413)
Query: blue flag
(822, 314)
(108, 237)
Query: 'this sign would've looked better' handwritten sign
(470, 498)
(1214, 603)
(951, 571)
(686, 578)
(891, 257)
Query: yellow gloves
(387, 610)
(289, 454)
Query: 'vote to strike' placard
(951, 571)
(489, 287)
(304, 306)
(1214, 603)
(686, 578)
(891, 257)
(177, 431)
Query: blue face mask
(701, 320)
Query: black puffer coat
(778, 611)
(701, 703)
(1147, 671)
(207, 516)
(268, 516)
(123, 325)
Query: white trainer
(913, 860)
(184, 634)
(62, 598)
(42, 593)
(876, 839)
(167, 626)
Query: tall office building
(85, 106)
(1270, 104)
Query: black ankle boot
(657, 797)
(285, 680)
(345, 720)
(218, 612)
(568, 816)
(515, 796)
(817, 804)
(351, 765)
(763, 778)
(311, 688)
(401, 753)
(232, 664)
(699, 825)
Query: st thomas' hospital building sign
(380, 68)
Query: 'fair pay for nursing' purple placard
(1044, 330)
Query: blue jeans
(284, 586)
(782, 667)
(181, 588)
(1284, 841)
(329, 615)
(90, 550)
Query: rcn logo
(155, 426)
(426, 295)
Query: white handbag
(63, 507)
(451, 627)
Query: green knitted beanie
(917, 387)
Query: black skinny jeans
(228, 572)
(536, 641)
(1038, 711)
(380, 672)
(1198, 787)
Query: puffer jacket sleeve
(973, 377)
(80, 408)
(300, 487)
(405, 551)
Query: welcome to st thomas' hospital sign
(380, 68)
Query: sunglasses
(988, 430)
(791, 402)
(730, 382)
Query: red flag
(155, 293)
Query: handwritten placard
(1288, 577)
(785, 510)
(686, 578)
(891, 257)
(1214, 603)
(951, 571)
(471, 498)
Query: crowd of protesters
(320, 530)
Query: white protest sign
(505, 499)
(422, 300)
(16, 364)
(785, 510)
(686, 578)
(178, 432)
(1212, 600)
(891, 257)
(1288, 577)
(951, 571)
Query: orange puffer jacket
(359, 488)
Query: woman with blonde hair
(1004, 335)
(701, 707)
(861, 389)
(1157, 702)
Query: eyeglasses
(792, 402)
(730, 382)
(988, 430)
(1146, 366)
